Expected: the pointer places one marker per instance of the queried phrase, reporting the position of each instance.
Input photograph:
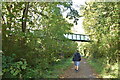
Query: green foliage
(12, 68)
(105, 71)
(102, 24)
(34, 33)
(58, 68)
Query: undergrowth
(58, 68)
(104, 70)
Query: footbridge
(78, 37)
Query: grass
(97, 66)
(104, 70)
(58, 68)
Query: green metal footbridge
(78, 37)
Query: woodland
(33, 41)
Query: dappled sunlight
(38, 40)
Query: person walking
(76, 59)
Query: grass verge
(104, 70)
(58, 68)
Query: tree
(101, 22)
(34, 33)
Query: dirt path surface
(85, 71)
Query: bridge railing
(77, 37)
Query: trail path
(85, 71)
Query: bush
(12, 68)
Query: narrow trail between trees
(85, 71)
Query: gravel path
(85, 71)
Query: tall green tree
(34, 33)
(101, 22)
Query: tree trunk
(10, 19)
(24, 17)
